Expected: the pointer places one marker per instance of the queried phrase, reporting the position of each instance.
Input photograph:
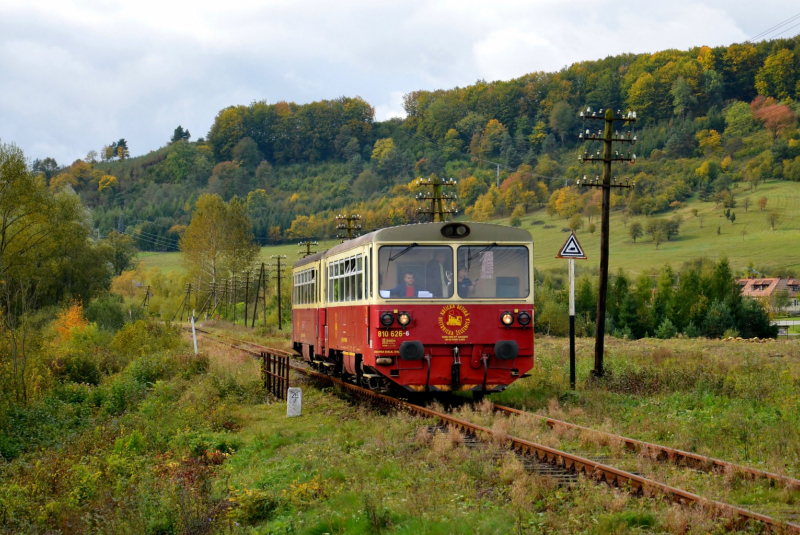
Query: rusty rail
(664, 453)
(592, 469)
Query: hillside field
(749, 239)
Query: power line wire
(786, 30)
(768, 31)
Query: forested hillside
(709, 117)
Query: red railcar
(427, 307)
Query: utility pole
(224, 298)
(280, 276)
(350, 224)
(233, 294)
(146, 301)
(212, 287)
(437, 198)
(266, 278)
(246, 294)
(258, 291)
(308, 245)
(185, 303)
(608, 136)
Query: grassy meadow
(735, 400)
(163, 442)
(749, 239)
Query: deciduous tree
(219, 238)
(775, 117)
(635, 231)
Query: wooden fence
(275, 373)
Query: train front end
(454, 308)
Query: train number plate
(392, 334)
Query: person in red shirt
(406, 288)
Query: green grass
(732, 400)
(759, 244)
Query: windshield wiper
(492, 246)
(404, 251)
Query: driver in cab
(407, 288)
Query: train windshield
(415, 271)
(492, 271)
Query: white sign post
(194, 334)
(571, 250)
(294, 402)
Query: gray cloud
(77, 75)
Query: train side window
(330, 283)
(359, 281)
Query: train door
(322, 300)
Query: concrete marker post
(294, 402)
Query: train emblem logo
(454, 320)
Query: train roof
(481, 232)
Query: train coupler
(455, 373)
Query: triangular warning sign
(571, 248)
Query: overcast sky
(77, 74)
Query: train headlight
(387, 318)
(524, 318)
(404, 318)
(507, 318)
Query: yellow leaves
(567, 203)
(256, 199)
(304, 493)
(382, 149)
(778, 75)
(727, 161)
(69, 321)
(107, 181)
(128, 283)
(294, 198)
(63, 179)
(706, 58)
(708, 169)
(710, 141)
(640, 94)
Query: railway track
(663, 453)
(562, 460)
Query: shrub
(145, 336)
(81, 357)
(718, 319)
(253, 506)
(666, 330)
(691, 331)
(109, 312)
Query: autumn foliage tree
(70, 320)
(774, 116)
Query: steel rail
(674, 455)
(581, 465)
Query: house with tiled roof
(768, 288)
